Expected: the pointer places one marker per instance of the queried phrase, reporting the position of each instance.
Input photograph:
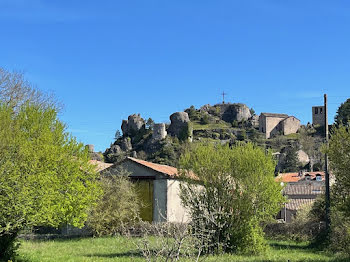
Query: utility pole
(223, 97)
(326, 168)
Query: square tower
(318, 115)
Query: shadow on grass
(128, 254)
(291, 246)
(309, 249)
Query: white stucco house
(158, 187)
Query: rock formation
(228, 112)
(134, 124)
(179, 121)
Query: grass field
(122, 249)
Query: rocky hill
(221, 123)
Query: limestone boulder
(125, 127)
(126, 144)
(115, 149)
(303, 157)
(179, 121)
(135, 122)
(231, 112)
(133, 125)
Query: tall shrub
(234, 193)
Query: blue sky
(108, 59)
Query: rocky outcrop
(126, 144)
(133, 125)
(228, 112)
(303, 157)
(179, 122)
(254, 121)
(115, 149)
(235, 112)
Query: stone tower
(318, 115)
(159, 131)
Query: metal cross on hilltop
(223, 97)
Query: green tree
(117, 135)
(149, 123)
(343, 114)
(117, 208)
(291, 162)
(235, 193)
(204, 119)
(339, 156)
(45, 177)
(193, 114)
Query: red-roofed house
(158, 186)
(301, 189)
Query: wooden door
(144, 188)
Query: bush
(237, 192)
(8, 245)
(204, 119)
(118, 207)
(340, 233)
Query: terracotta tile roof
(274, 115)
(297, 204)
(100, 165)
(164, 169)
(295, 177)
(303, 189)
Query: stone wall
(159, 131)
(269, 125)
(318, 115)
(176, 212)
(290, 125)
(275, 124)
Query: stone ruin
(159, 132)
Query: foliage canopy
(343, 113)
(45, 177)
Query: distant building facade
(273, 124)
(318, 115)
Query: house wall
(269, 125)
(262, 123)
(136, 170)
(290, 125)
(175, 210)
(160, 188)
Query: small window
(316, 110)
(307, 177)
(318, 177)
(321, 109)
